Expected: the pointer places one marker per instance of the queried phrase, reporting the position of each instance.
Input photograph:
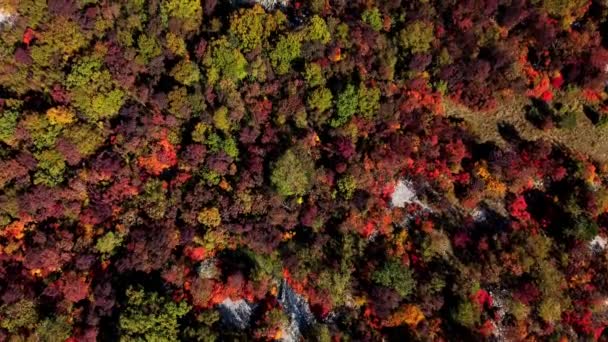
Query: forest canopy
(303, 170)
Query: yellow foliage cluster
(210, 217)
(409, 314)
(494, 187)
(60, 116)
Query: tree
(253, 26)
(369, 101)
(54, 329)
(93, 90)
(22, 314)
(150, 317)
(347, 186)
(210, 217)
(60, 116)
(188, 12)
(314, 75)
(346, 106)
(396, 276)
(417, 37)
(51, 166)
(317, 30)
(186, 73)
(373, 18)
(108, 243)
(225, 61)
(148, 48)
(466, 314)
(320, 99)
(292, 173)
(287, 49)
(8, 124)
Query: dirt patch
(510, 113)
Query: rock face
(207, 269)
(298, 310)
(236, 314)
(598, 244)
(405, 194)
(6, 18)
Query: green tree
(188, 12)
(369, 101)
(313, 74)
(221, 120)
(550, 310)
(176, 44)
(373, 18)
(150, 317)
(562, 8)
(395, 275)
(210, 217)
(253, 26)
(230, 147)
(154, 199)
(225, 61)
(317, 30)
(346, 106)
(320, 99)
(292, 174)
(417, 36)
(87, 138)
(93, 90)
(347, 186)
(287, 49)
(22, 314)
(51, 167)
(8, 124)
(466, 314)
(41, 131)
(108, 243)
(186, 73)
(53, 329)
(148, 49)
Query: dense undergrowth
(159, 157)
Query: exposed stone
(236, 314)
(298, 310)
